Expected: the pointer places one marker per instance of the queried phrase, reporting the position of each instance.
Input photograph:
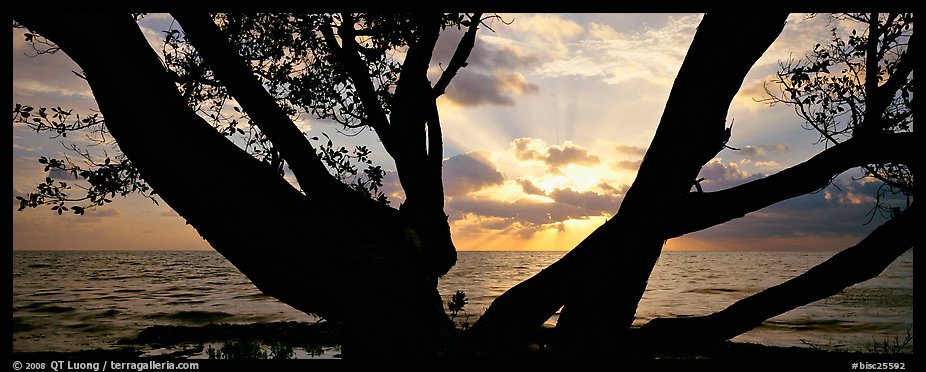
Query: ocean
(80, 300)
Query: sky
(543, 130)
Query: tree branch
(349, 56)
(872, 70)
(617, 257)
(854, 265)
(692, 130)
(233, 72)
(704, 210)
(885, 93)
(241, 206)
(435, 140)
(420, 49)
(460, 55)
(413, 101)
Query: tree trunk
(603, 278)
(318, 260)
(854, 265)
(417, 152)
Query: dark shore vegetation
(277, 341)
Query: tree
(341, 67)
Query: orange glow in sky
(543, 133)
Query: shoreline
(301, 341)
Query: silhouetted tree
(302, 245)
(865, 105)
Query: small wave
(184, 302)
(100, 276)
(195, 316)
(712, 290)
(54, 309)
(90, 327)
(185, 294)
(128, 290)
(256, 296)
(38, 266)
(110, 313)
(86, 289)
(820, 325)
(46, 292)
(112, 297)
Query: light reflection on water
(66, 301)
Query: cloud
(529, 188)
(555, 156)
(524, 211)
(597, 31)
(487, 52)
(833, 218)
(495, 88)
(469, 172)
(490, 76)
(631, 165)
(631, 150)
(716, 170)
(851, 192)
(46, 76)
(754, 152)
(546, 32)
(153, 27)
(529, 215)
(848, 197)
(654, 54)
(569, 153)
(102, 212)
(770, 165)
(527, 148)
(58, 174)
(719, 175)
(589, 201)
(612, 190)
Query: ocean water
(68, 301)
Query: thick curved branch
(854, 265)
(460, 55)
(234, 73)
(241, 206)
(704, 210)
(692, 130)
(617, 257)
